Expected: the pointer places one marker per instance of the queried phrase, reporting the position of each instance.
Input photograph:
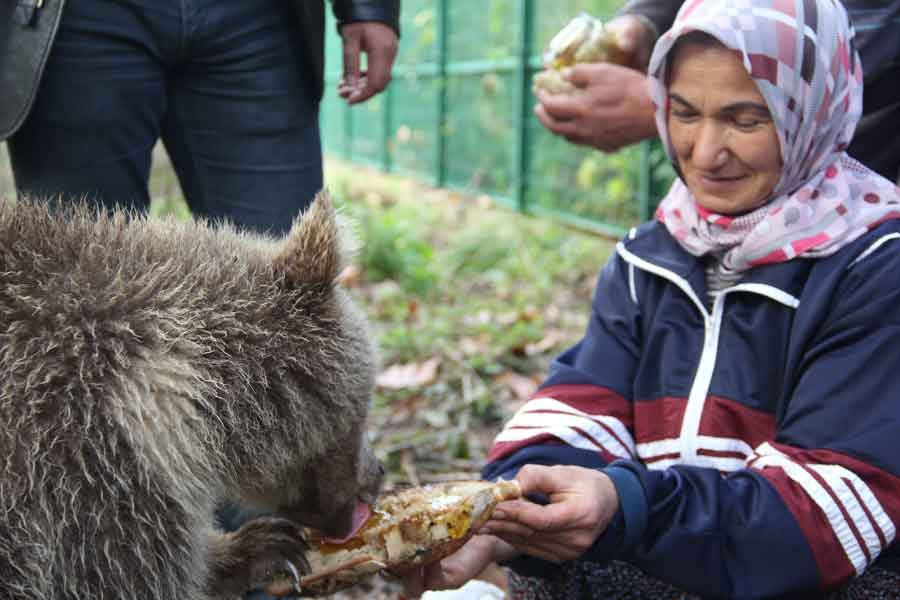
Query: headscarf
(800, 54)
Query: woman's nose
(709, 150)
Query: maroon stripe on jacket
(834, 566)
(658, 419)
(726, 418)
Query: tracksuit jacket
(754, 440)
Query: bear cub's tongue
(361, 514)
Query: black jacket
(27, 33)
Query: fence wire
(459, 114)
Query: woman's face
(721, 129)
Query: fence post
(387, 123)
(348, 131)
(522, 107)
(644, 178)
(443, 19)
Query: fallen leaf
(398, 377)
(522, 387)
(412, 310)
(553, 338)
(470, 346)
(350, 276)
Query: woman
(728, 424)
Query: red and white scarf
(800, 54)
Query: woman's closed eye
(684, 115)
(749, 123)
(747, 116)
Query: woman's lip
(717, 178)
(713, 183)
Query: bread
(583, 40)
(407, 529)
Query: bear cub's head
(322, 386)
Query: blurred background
(458, 114)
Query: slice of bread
(407, 529)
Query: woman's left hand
(581, 504)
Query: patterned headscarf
(800, 54)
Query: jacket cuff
(632, 503)
(356, 11)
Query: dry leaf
(522, 387)
(350, 276)
(471, 346)
(553, 338)
(398, 377)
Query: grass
(488, 294)
(469, 302)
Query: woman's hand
(458, 568)
(582, 503)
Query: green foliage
(394, 249)
(503, 293)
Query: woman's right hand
(458, 568)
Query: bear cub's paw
(263, 550)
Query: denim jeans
(221, 82)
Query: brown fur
(151, 369)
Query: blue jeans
(221, 82)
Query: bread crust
(407, 529)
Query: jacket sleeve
(582, 414)
(659, 13)
(819, 503)
(354, 11)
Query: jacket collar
(652, 244)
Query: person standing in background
(231, 87)
(615, 109)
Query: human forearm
(659, 13)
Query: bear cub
(151, 370)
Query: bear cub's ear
(317, 246)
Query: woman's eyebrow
(736, 107)
(680, 100)
(755, 107)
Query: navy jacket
(753, 440)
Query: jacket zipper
(712, 325)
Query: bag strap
(26, 12)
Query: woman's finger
(414, 583)
(506, 529)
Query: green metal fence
(458, 114)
